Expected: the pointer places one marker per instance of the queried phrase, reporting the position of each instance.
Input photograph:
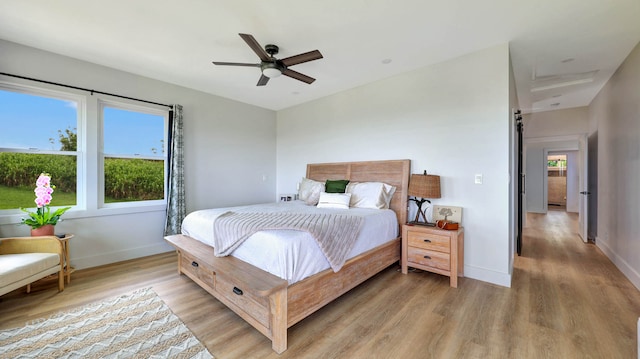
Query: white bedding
(289, 254)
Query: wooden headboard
(393, 172)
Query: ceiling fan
(272, 67)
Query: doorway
(557, 182)
(562, 180)
(536, 152)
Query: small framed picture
(288, 197)
(449, 213)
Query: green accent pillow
(336, 186)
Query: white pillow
(310, 190)
(376, 195)
(334, 200)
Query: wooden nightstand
(433, 249)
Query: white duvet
(290, 254)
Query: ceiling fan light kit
(270, 70)
(271, 66)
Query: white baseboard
(486, 275)
(619, 262)
(119, 256)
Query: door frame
(581, 145)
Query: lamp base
(426, 224)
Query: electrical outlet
(478, 179)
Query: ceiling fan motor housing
(271, 49)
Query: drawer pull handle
(427, 257)
(237, 290)
(195, 264)
(427, 240)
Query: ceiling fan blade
(298, 76)
(263, 80)
(255, 46)
(234, 64)
(298, 59)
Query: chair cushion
(15, 267)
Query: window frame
(104, 103)
(80, 142)
(89, 162)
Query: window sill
(73, 214)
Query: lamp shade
(424, 186)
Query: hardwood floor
(567, 301)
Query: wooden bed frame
(266, 301)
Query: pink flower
(43, 200)
(40, 202)
(44, 180)
(47, 198)
(41, 191)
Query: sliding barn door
(521, 175)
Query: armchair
(24, 260)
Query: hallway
(577, 303)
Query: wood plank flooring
(567, 301)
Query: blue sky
(28, 121)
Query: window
(104, 157)
(134, 154)
(39, 134)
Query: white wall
(556, 123)
(229, 147)
(451, 119)
(615, 115)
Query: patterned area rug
(136, 325)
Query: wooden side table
(433, 249)
(68, 269)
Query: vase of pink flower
(43, 220)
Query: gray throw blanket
(335, 233)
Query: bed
(270, 303)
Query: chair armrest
(44, 244)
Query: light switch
(478, 179)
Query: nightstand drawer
(431, 241)
(429, 258)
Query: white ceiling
(176, 41)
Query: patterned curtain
(176, 208)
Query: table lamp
(423, 186)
